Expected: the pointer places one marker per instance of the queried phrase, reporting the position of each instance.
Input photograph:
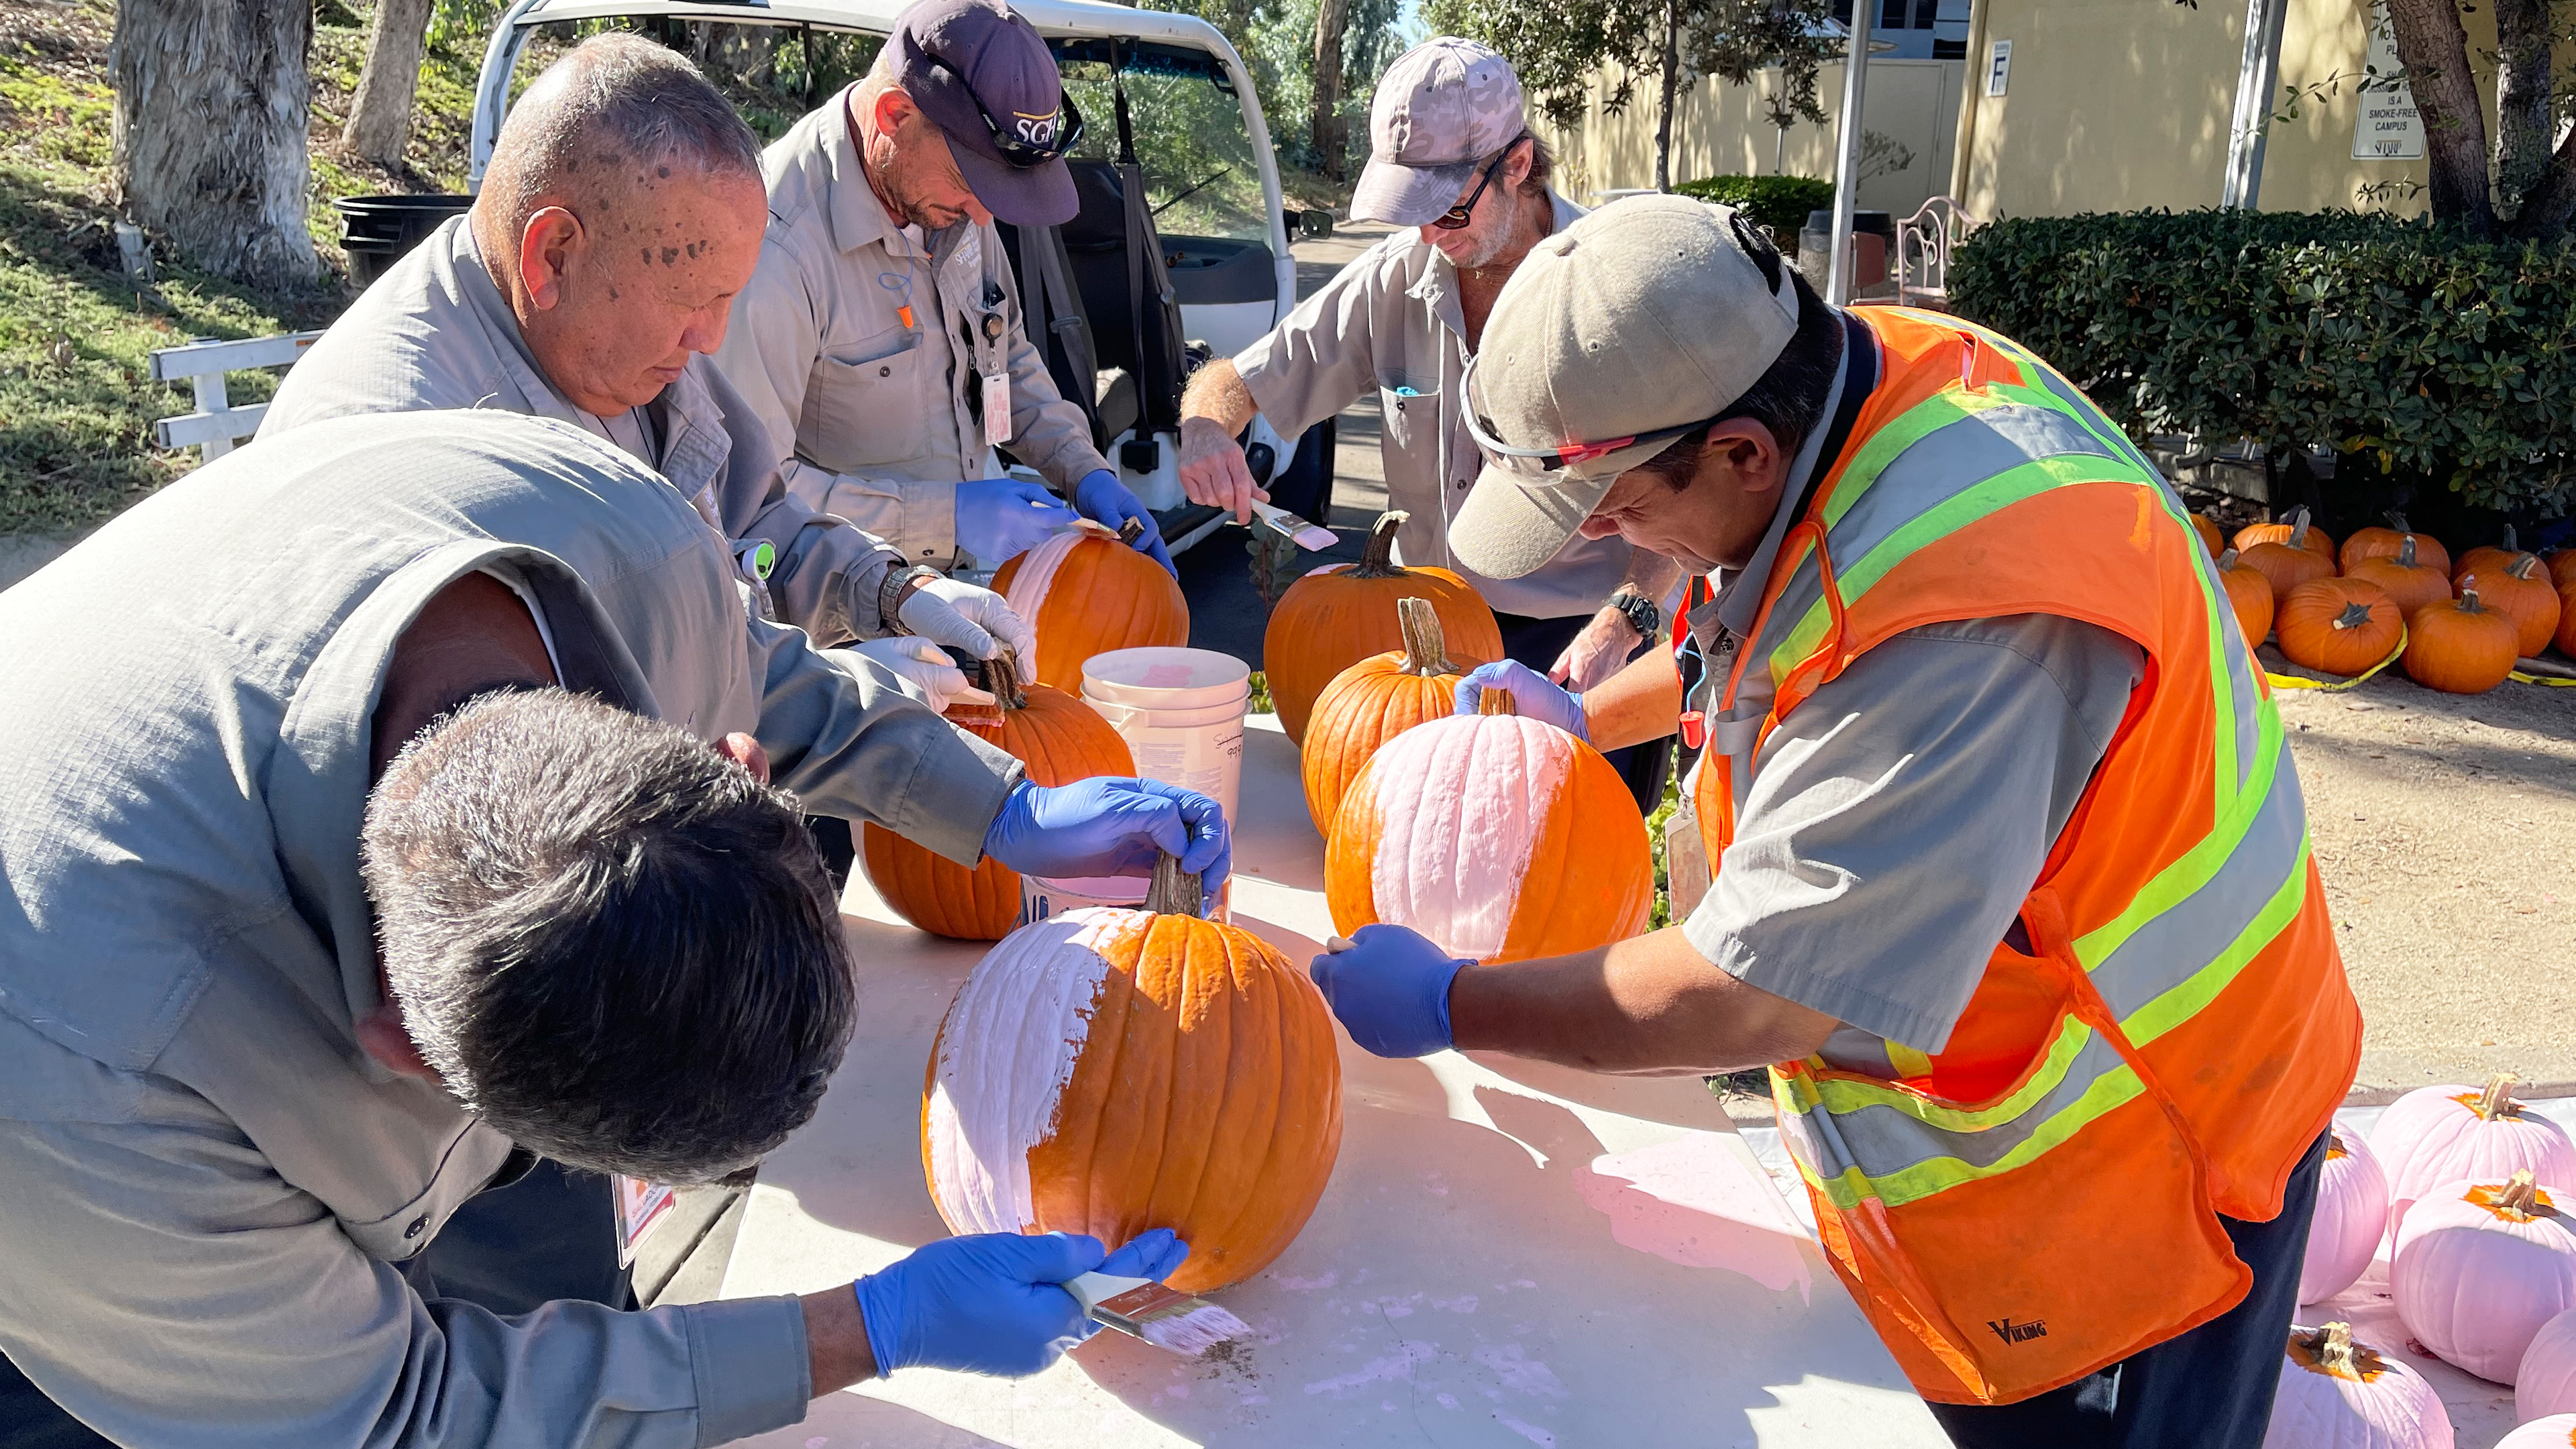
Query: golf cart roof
(1055, 19)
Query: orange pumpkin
(2292, 529)
(2338, 626)
(2404, 575)
(1498, 837)
(1372, 702)
(1085, 592)
(2487, 558)
(1061, 740)
(1335, 617)
(2522, 592)
(1108, 1071)
(2369, 543)
(2289, 561)
(2567, 618)
(2249, 594)
(2562, 565)
(2212, 537)
(2460, 646)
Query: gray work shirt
(870, 416)
(1890, 827)
(435, 332)
(1390, 323)
(204, 1183)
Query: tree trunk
(2549, 204)
(1670, 82)
(2524, 127)
(380, 113)
(212, 100)
(1326, 129)
(2435, 52)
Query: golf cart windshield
(1200, 176)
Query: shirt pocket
(867, 403)
(1412, 418)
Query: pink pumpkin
(2480, 1267)
(2545, 1382)
(2351, 1215)
(2558, 1431)
(2447, 1134)
(2338, 1394)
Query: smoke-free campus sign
(2389, 128)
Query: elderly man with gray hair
(421, 820)
(620, 217)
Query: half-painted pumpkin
(2522, 592)
(1085, 592)
(2249, 594)
(2408, 578)
(2558, 1431)
(2338, 626)
(1060, 739)
(2350, 1220)
(2338, 1394)
(1335, 617)
(1497, 837)
(1108, 1071)
(2480, 1266)
(1372, 702)
(2434, 1135)
(2544, 1383)
(2369, 543)
(2461, 646)
(2293, 529)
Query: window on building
(1892, 13)
(1949, 29)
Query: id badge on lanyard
(970, 295)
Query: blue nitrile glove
(986, 1304)
(1391, 990)
(1110, 825)
(1534, 696)
(1155, 1253)
(1104, 500)
(1002, 518)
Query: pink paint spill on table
(1690, 1201)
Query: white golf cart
(1191, 262)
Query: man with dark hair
(416, 824)
(881, 338)
(2013, 883)
(1454, 165)
(617, 222)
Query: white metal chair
(216, 424)
(1923, 243)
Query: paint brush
(1156, 1313)
(1312, 537)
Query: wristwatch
(898, 586)
(1644, 614)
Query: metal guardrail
(216, 424)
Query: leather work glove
(1533, 697)
(1390, 987)
(923, 666)
(990, 1304)
(1104, 500)
(965, 616)
(1111, 826)
(1002, 518)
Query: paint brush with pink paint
(1156, 1313)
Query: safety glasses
(1538, 462)
(1457, 217)
(1018, 142)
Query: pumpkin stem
(1172, 891)
(2406, 552)
(2497, 1100)
(2333, 1347)
(1002, 680)
(2469, 595)
(2226, 560)
(1425, 652)
(2299, 526)
(2397, 520)
(2524, 567)
(2354, 615)
(2509, 545)
(1377, 559)
(2520, 1195)
(1495, 701)
(1130, 531)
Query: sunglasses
(1537, 462)
(1457, 217)
(1018, 143)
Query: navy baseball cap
(981, 74)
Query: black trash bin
(376, 231)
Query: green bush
(1778, 202)
(2423, 357)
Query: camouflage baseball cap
(1444, 108)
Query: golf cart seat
(1117, 260)
(1059, 326)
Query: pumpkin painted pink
(2338, 1394)
(2544, 1382)
(2480, 1266)
(2445, 1134)
(2351, 1215)
(2558, 1431)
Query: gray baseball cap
(1446, 107)
(1637, 323)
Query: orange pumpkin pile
(1333, 618)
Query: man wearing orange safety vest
(2013, 883)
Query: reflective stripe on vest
(1974, 467)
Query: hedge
(1778, 202)
(2425, 358)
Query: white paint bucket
(1181, 713)
(1042, 898)
(1164, 678)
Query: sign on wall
(2389, 127)
(1998, 67)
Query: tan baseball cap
(1445, 108)
(1637, 323)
